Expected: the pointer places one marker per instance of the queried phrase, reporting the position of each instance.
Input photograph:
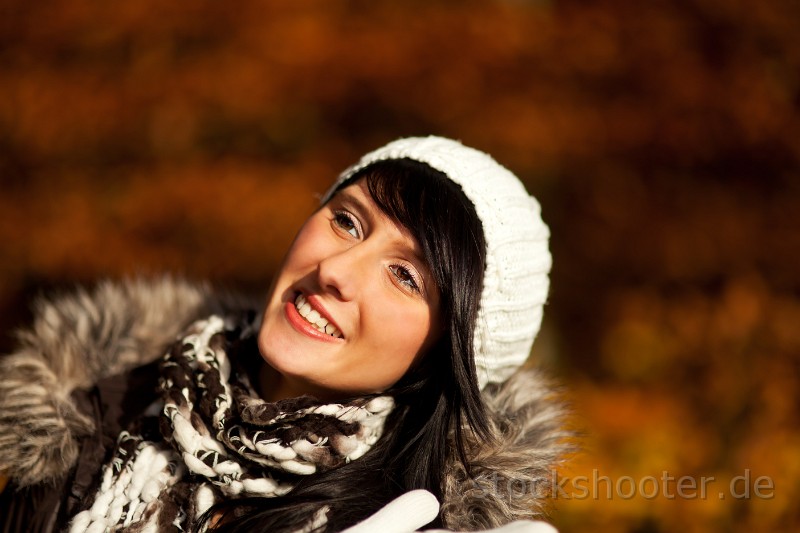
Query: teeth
(314, 318)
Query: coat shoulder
(75, 339)
(509, 477)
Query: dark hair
(434, 400)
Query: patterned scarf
(210, 437)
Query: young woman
(379, 365)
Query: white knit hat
(518, 260)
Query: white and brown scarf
(210, 437)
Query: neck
(274, 386)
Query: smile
(313, 318)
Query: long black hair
(436, 400)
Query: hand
(519, 526)
(412, 510)
(404, 514)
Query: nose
(343, 272)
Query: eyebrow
(346, 197)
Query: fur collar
(79, 338)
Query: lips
(309, 317)
(313, 317)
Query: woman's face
(353, 305)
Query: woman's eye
(345, 222)
(405, 276)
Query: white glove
(412, 510)
(404, 514)
(519, 526)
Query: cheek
(297, 262)
(306, 243)
(406, 334)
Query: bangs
(438, 214)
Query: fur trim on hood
(79, 338)
(511, 478)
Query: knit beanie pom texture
(516, 282)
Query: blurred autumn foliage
(662, 138)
